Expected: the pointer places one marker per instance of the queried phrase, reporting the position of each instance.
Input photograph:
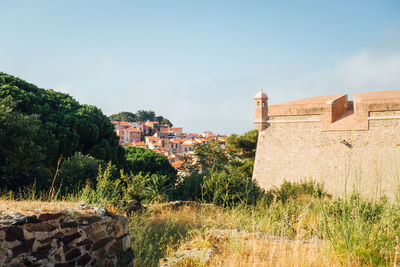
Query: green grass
(358, 232)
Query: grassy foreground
(305, 231)
(295, 225)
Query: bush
(148, 187)
(78, 170)
(229, 186)
(118, 192)
(106, 191)
(189, 187)
(147, 161)
(293, 190)
(361, 230)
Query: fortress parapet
(331, 139)
(336, 113)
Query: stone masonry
(347, 145)
(95, 238)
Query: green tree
(145, 115)
(141, 115)
(147, 161)
(124, 116)
(67, 126)
(21, 150)
(166, 121)
(245, 147)
(212, 155)
(245, 144)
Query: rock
(126, 242)
(26, 219)
(83, 207)
(72, 254)
(126, 257)
(66, 239)
(84, 259)
(49, 216)
(101, 243)
(99, 211)
(62, 239)
(99, 235)
(42, 252)
(68, 224)
(13, 233)
(24, 247)
(40, 227)
(119, 229)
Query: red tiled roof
(177, 164)
(138, 144)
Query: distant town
(169, 141)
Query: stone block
(40, 227)
(13, 233)
(72, 254)
(24, 247)
(84, 260)
(49, 216)
(126, 242)
(66, 239)
(101, 243)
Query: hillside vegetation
(140, 116)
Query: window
(258, 103)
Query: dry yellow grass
(250, 250)
(29, 207)
(240, 248)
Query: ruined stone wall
(96, 238)
(367, 161)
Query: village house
(129, 135)
(139, 144)
(161, 138)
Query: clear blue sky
(199, 63)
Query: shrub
(229, 186)
(78, 170)
(189, 187)
(106, 191)
(361, 230)
(118, 192)
(147, 161)
(293, 190)
(147, 187)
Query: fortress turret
(261, 110)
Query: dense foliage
(49, 125)
(226, 172)
(21, 150)
(141, 115)
(147, 161)
(77, 171)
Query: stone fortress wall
(95, 238)
(347, 145)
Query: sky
(200, 63)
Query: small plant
(361, 230)
(293, 190)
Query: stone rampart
(347, 146)
(95, 238)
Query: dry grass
(252, 249)
(29, 207)
(238, 248)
